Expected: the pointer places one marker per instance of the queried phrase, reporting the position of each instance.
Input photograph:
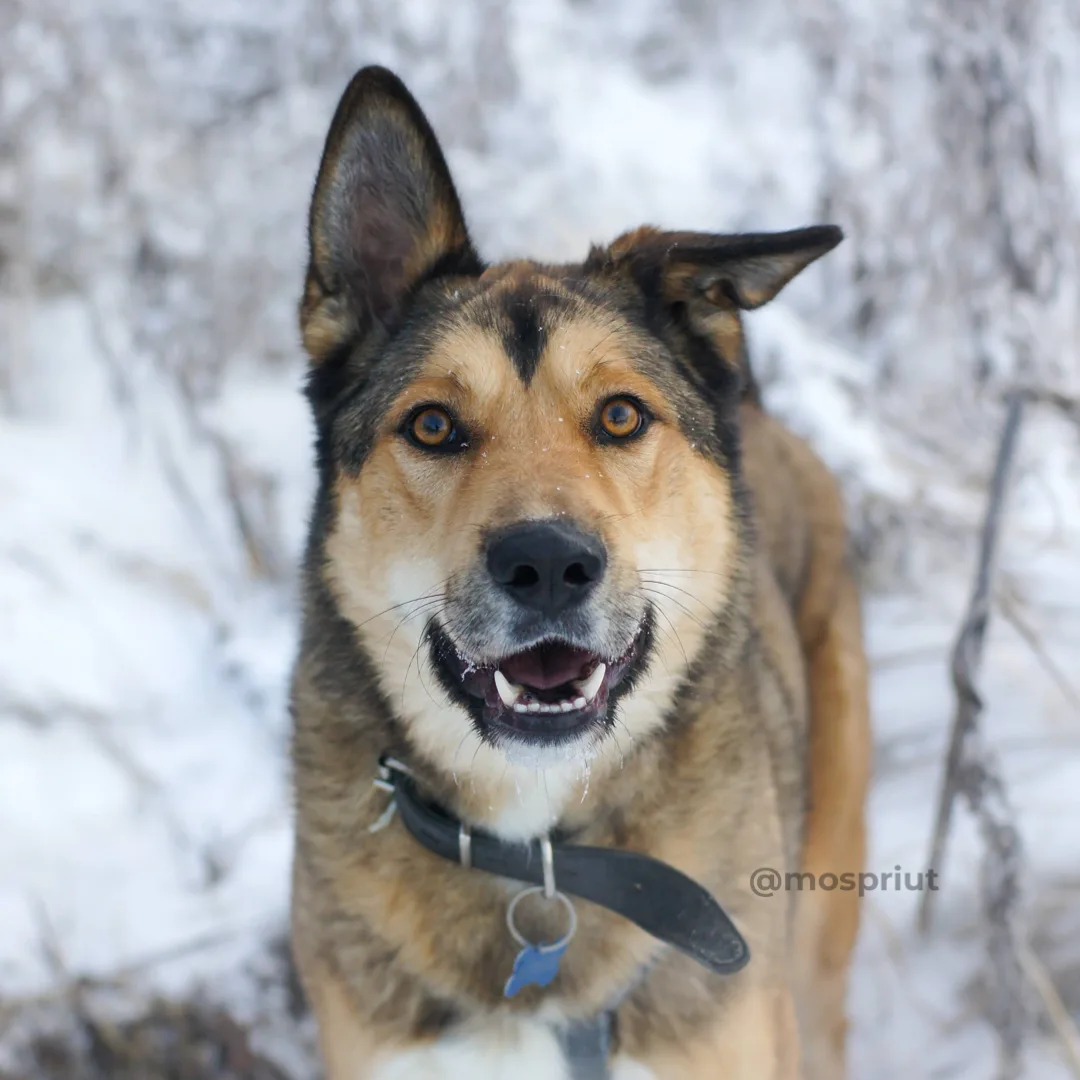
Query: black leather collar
(663, 901)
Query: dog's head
(532, 515)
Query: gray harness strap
(586, 1045)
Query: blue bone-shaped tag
(535, 966)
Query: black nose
(546, 565)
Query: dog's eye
(432, 428)
(622, 418)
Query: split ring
(549, 946)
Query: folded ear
(746, 269)
(384, 217)
(702, 281)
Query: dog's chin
(551, 700)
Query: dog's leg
(828, 921)
(347, 1050)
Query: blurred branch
(1010, 611)
(1064, 403)
(967, 650)
(972, 770)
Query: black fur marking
(328, 380)
(524, 337)
(525, 317)
(463, 262)
(716, 379)
(739, 246)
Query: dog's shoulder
(799, 517)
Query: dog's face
(532, 513)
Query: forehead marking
(523, 313)
(523, 333)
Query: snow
(155, 462)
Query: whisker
(618, 745)
(659, 501)
(415, 600)
(472, 765)
(603, 341)
(668, 585)
(679, 570)
(422, 610)
(421, 660)
(673, 633)
(712, 613)
(453, 762)
(682, 607)
(408, 668)
(622, 723)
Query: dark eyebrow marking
(525, 315)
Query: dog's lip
(552, 712)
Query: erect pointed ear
(746, 269)
(384, 217)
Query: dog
(581, 651)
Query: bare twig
(1064, 403)
(967, 651)
(972, 770)
(1011, 613)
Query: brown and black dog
(565, 570)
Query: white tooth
(548, 709)
(521, 708)
(508, 692)
(580, 702)
(568, 706)
(591, 685)
(534, 706)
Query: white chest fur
(507, 1050)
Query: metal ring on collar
(465, 845)
(544, 946)
(547, 858)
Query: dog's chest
(511, 1049)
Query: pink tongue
(546, 666)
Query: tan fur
(801, 525)
(754, 1037)
(537, 462)
(745, 743)
(824, 642)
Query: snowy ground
(155, 453)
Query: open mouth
(549, 692)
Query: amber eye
(622, 418)
(432, 428)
